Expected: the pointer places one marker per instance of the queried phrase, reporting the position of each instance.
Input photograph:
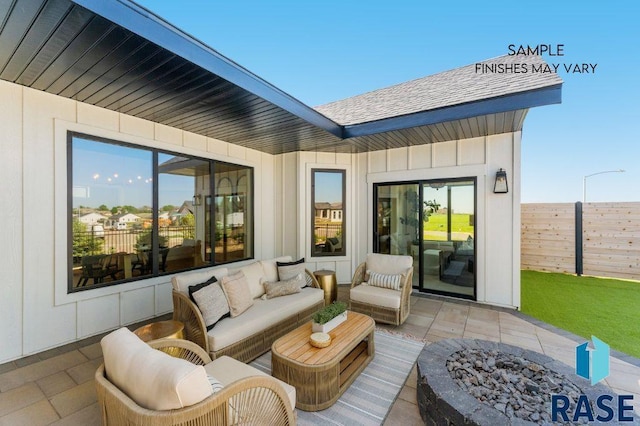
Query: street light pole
(584, 181)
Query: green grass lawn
(437, 224)
(606, 308)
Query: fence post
(578, 230)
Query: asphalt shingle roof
(454, 87)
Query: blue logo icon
(593, 363)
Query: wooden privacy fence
(608, 245)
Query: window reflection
(233, 217)
(328, 207)
(112, 192)
(434, 222)
(182, 228)
(115, 234)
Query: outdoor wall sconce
(501, 186)
(197, 200)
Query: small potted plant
(329, 317)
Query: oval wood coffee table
(320, 376)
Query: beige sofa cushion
(270, 268)
(378, 296)
(227, 370)
(255, 276)
(388, 263)
(181, 282)
(153, 379)
(262, 315)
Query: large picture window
(328, 212)
(137, 212)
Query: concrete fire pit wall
(442, 401)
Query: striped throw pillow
(216, 385)
(385, 281)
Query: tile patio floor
(56, 387)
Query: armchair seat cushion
(227, 370)
(383, 297)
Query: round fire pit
(477, 382)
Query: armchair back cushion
(153, 379)
(388, 264)
(181, 282)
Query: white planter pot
(328, 326)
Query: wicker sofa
(248, 396)
(250, 334)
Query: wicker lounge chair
(250, 400)
(382, 304)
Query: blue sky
(319, 52)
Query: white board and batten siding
(498, 258)
(39, 314)
(37, 311)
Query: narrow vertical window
(328, 212)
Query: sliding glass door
(434, 222)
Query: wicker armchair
(380, 313)
(251, 400)
(248, 349)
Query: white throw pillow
(212, 303)
(292, 270)
(153, 379)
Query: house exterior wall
(35, 309)
(39, 314)
(497, 215)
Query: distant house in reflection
(116, 220)
(92, 218)
(331, 212)
(185, 209)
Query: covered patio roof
(117, 55)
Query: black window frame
(420, 184)
(155, 152)
(343, 227)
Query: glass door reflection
(434, 222)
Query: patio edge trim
(546, 326)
